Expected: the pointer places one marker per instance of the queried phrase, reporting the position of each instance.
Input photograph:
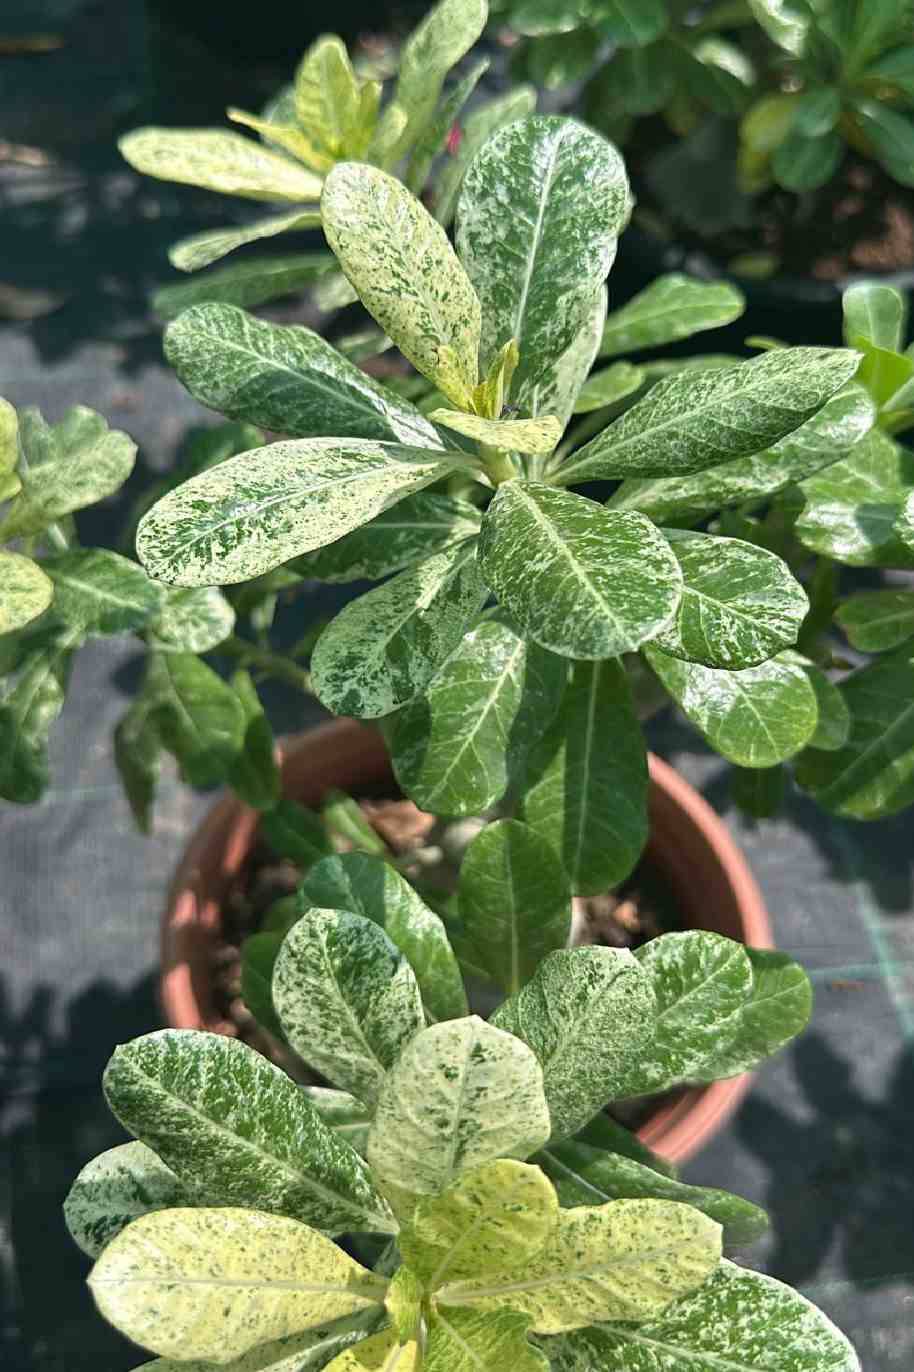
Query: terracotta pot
(688, 844)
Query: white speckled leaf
(221, 1116)
(875, 312)
(672, 307)
(220, 161)
(873, 775)
(540, 211)
(29, 704)
(740, 604)
(841, 423)
(515, 435)
(9, 449)
(588, 1016)
(475, 1341)
(479, 124)
(877, 621)
(201, 249)
(346, 1116)
(285, 378)
(381, 1353)
(585, 791)
(411, 531)
(192, 620)
(609, 386)
(515, 901)
(581, 581)
(463, 1093)
(257, 510)
(216, 1283)
(455, 748)
(197, 715)
(25, 591)
(559, 392)
(385, 647)
(740, 1321)
(627, 1260)
(375, 890)
(904, 525)
(309, 1351)
(102, 592)
(756, 717)
(695, 420)
(446, 33)
(777, 1010)
(407, 274)
(347, 999)
(852, 507)
(117, 1187)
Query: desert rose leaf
(29, 705)
(515, 901)
(537, 436)
(841, 423)
(876, 313)
(609, 386)
(904, 525)
(258, 958)
(627, 1260)
(873, 774)
(219, 160)
(347, 999)
(431, 311)
(586, 799)
(413, 530)
(295, 832)
(191, 620)
(539, 216)
(103, 593)
(462, 1093)
(137, 756)
(307, 1351)
(587, 1015)
(385, 647)
(326, 97)
(493, 1218)
(257, 510)
(696, 420)
(456, 747)
(473, 1341)
(25, 591)
(346, 1116)
(116, 1188)
(285, 378)
(372, 888)
(478, 126)
(756, 717)
(249, 283)
(852, 507)
(381, 1353)
(672, 307)
(436, 135)
(345, 818)
(877, 621)
(559, 392)
(741, 1320)
(740, 604)
(581, 581)
(211, 1107)
(834, 723)
(584, 1175)
(196, 714)
(630, 23)
(163, 1281)
(202, 249)
(65, 467)
(608, 1135)
(777, 1010)
(759, 792)
(9, 447)
(445, 35)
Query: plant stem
(498, 464)
(274, 664)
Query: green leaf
(672, 307)
(345, 817)
(817, 111)
(100, 592)
(537, 436)
(9, 450)
(695, 420)
(740, 1320)
(381, 1353)
(584, 797)
(803, 164)
(413, 530)
(384, 648)
(258, 959)
(346, 1116)
(534, 18)
(515, 901)
(759, 792)
(777, 1010)
(346, 998)
(251, 282)
(875, 313)
(456, 748)
(851, 508)
(494, 1218)
(259, 509)
(25, 591)
(64, 467)
(295, 833)
(891, 135)
(163, 1282)
(254, 774)
(434, 138)
(606, 1134)
(588, 1015)
(137, 755)
(756, 717)
(627, 1260)
(408, 277)
(448, 31)
(834, 723)
(584, 1175)
(630, 23)
(116, 1188)
(327, 98)
(895, 69)
(191, 621)
(873, 775)
(197, 716)
(786, 22)
(285, 378)
(217, 1112)
(463, 1093)
(201, 249)
(540, 212)
(740, 604)
(304, 1352)
(608, 387)
(559, 392)
(29, 705)
(372, 888)
(220, 161)
(477, 128)
(877, 621)
(468, 1341)
(582, 582)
